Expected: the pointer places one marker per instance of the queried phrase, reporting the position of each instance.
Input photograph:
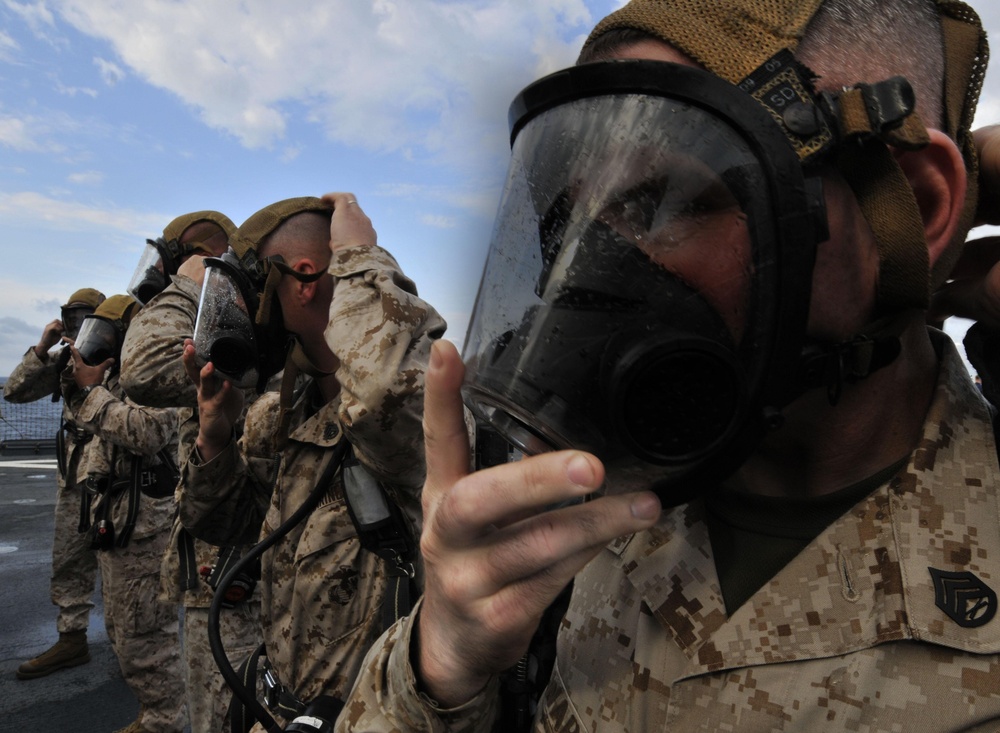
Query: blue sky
(118, 115)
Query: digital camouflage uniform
(322, 594)
(142, 629)
(151, 369)
(153, 374)
(846, 637)
(74, 566)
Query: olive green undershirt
(753, 537)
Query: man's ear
(305, 291)
(938, 177)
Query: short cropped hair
(852, 41)
(306, 234)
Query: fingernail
(645, 506)
(435, 360)
(580, 472)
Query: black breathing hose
(248, 696)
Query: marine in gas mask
(153, 374)
(306, 290)
(198, 233)
(130, 509)
(647, 291)
(40, 374)
(151, 369)
(710, 270)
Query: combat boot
(69, 651)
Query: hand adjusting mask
(240, 327)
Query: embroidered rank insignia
(966, 599)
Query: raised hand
(496, 554)
(219, 405)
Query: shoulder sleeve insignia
(966, 599)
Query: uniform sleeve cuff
(205, 475)
(353, 260)
(476, 714)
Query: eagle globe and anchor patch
(965, 598)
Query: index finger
(446, 439)
(190, 362)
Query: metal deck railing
(30, 427)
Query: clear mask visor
(622, 307)
(72, 319)
(98, 340)
(149, 277)
(224, 332)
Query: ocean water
(38, 420)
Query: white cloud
(26, 134)
(390, 75)
(16, 336)
(438, 221)
(66, 215)
(7, 47)
(73, 91)
(478, 199)
(86, 178)
(110, 72)
(36, 15)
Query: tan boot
(69, 651)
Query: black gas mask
(72, 319)
(648, 282)
(240, 327)
(246, 345)
(98, 341)
(159, 261)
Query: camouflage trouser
(74, 565)
(143, 631)
(208, 693)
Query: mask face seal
(647, 285)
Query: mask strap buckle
(885, 111)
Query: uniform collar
(864, 581)
(317, 426)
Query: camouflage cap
(252, 233)
(88, 297)
(119, 309)
(176, 228)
